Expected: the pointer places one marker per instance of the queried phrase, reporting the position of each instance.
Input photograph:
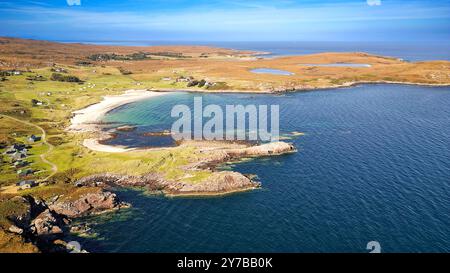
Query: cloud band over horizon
(214, 20)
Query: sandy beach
(95, 145)
(91, 115)
(88, 119)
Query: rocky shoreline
(218, 183)
(43, 225)
(46, 224)
(213, 153)
(298, 88)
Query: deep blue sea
(373, 165)
(410, 51)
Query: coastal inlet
(373, 164)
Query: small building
(19, 147)
(59, 70)
(10, 151)
(36, 102)
(18, 155)
(26, 184)
(16, 148)
(26, 172)
(34, 138)
(184, 79)
(21, 163)
(10, 73)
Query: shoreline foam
(87, 119)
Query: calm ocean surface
(374, 164)
(410, 51)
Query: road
(54, 168)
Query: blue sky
(220, 20)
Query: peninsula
(54, 95)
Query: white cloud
(374, 2)
(74, 2)
(269, 21)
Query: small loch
(271, 71)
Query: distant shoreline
(239, 91)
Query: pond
(271, 71)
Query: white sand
(94, 145)
(87, 119)
(91, 115)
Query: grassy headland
(43, 83)
(63, 78)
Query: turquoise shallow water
(374, 164)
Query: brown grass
(232, 67)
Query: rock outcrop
(32, 212)
(89, 203)
(152, 181)
(217, 183)
(40, 226)
(126, 128)
(48, 223)
(216, 156)
(20, 219)
(33, 223)
(273, 148)
(213, 154)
